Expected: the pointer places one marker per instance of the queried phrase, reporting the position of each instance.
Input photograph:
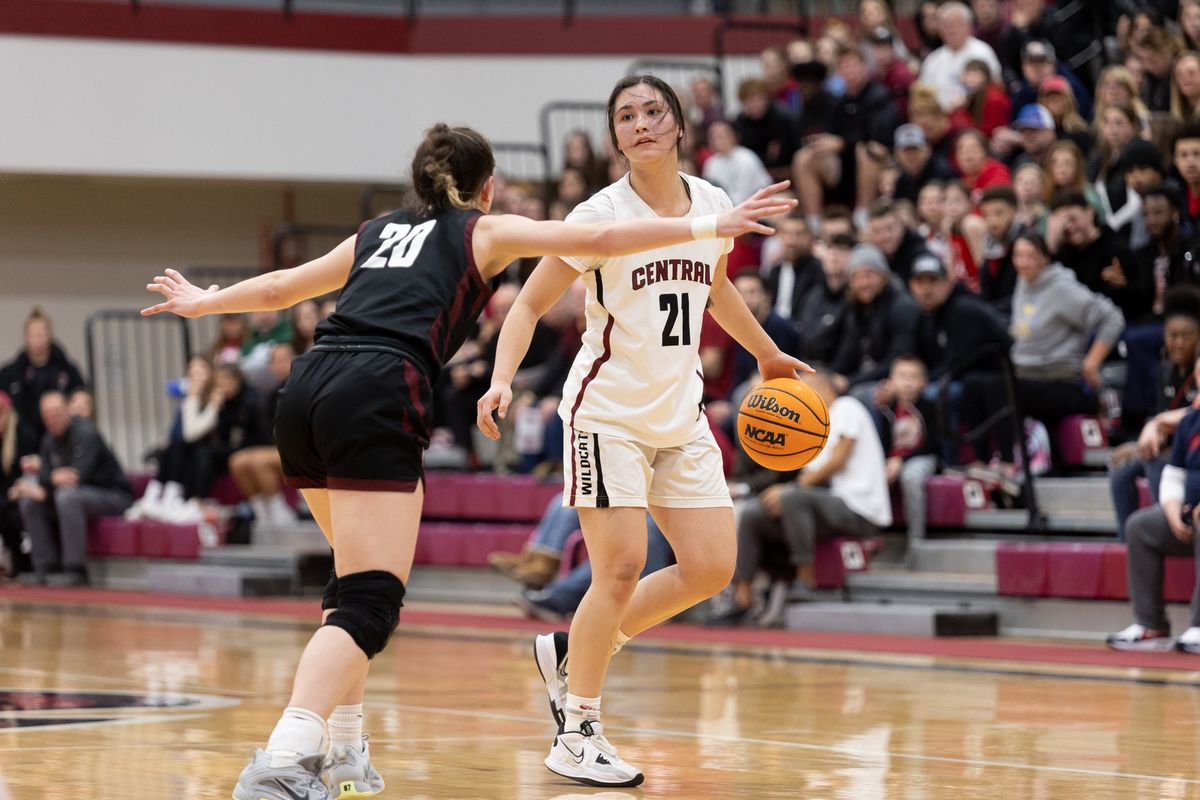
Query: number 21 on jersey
(403, 242)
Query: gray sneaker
(260, 781)
(348, 773)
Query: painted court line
(836, 749)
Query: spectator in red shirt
(978, 169)
(986, 106)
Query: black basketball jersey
(414, 285)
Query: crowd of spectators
(985, 182)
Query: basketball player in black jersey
(354, 416)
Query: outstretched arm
(268, 292)
(500, 240)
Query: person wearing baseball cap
(890, 68)
(917, 162)
(1058, 96)
(1035, 124)
(1039, 62)
(881, 320)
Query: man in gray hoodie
(1054, 318)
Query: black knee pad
(329, 598)
(368, 608)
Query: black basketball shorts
(353, 419)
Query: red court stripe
(309, 609)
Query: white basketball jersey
(637, 375)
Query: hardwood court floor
(456, 711)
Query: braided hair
(450, 167)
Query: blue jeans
(1143, 347)
(954, 394)
(565, 594)
(1122, 482)
(557, 525)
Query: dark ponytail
(450, 167)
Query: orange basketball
(783, 424)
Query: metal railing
(560, 118)
(130, 359)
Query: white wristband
(704, 227)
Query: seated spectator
(1054, 317)
(1185, 152)
(1120, 206)
(964, 233)
(997, 278)
(846, 159)
(267, 329)
(1066, 172)
(763, 127)
(78, 479)
(1029, 185)
(1189, 24)
(1167, 529)
(943, 67)
(704, 110)
(1097, 256)
(1156, 49)
(256, 468)
(734, 168)
(572, 188)
(558, 600)
(976, 167)
(985, 106)
(776, 75)
(17, 441)
(823, 309)
(956, 333)
(909, 436)
(754, 294)
(925, 112)
(990, 25)
(816, 103)
(1142, 164)
(537, 563)
(1026, 23)
(879, 324)
(82, 404)
(931, 214)
(579, 154)
(231, 335)
(717, 350)
(1034, 134)
(888, 66)
(305, 316)
(899, 244)
(242, 420)
(789, 279)
(1118, 85)
(1058, 98)
(1039, 63)
(41, 366)
(835, 220)
(917, 162)
(843, 492)
(187, 465)
(1175, 391)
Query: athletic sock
(298, 733)
(621, 641)
(345, 726)
(578, 709)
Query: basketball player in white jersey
(636, 436)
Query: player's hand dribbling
(760, 205)
(495, 399)
(181, 296)
(781, 365)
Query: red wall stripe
(476, 35)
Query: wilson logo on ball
(770, 405)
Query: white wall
(120, 108)
(76, 245)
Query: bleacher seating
(1080, 570)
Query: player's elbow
(605, 241)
